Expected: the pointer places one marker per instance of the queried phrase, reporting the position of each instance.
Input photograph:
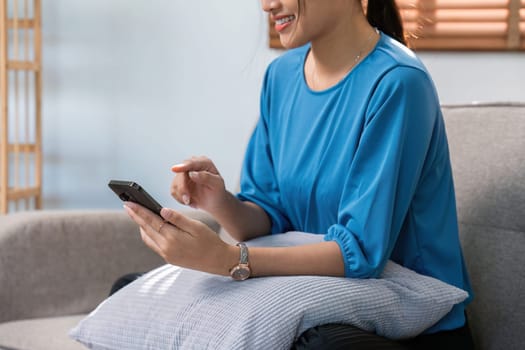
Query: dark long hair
(384, 15)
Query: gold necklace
(358, 57)
(314, 79)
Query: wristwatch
(241, 271)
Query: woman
(351, 144)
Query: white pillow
(175, 308)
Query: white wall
(132, 87)
(480, 77)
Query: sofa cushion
(56, 263)
(498, 276)
(487, 150)
(177, 308)
(39, 334)
(487, 146)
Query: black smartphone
(129, 191)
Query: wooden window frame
(439, 25)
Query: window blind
(458, 24)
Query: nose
(270, 5)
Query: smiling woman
(495, 25)
(350, 144)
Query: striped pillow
(175, 308)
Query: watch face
(240, 273)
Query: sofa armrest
(55, 263)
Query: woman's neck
(333, 55)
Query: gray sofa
(57, 266)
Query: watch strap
(244, 253)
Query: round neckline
(347, 75)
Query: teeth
(284, 20)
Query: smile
(284, 20)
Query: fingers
(193, 176)
(179, 220)
(180, 188)
(195, 164)
(148, 222)
(180, 168)
(150, 242)
(181, 241)
(205, 178)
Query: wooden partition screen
(20, 105)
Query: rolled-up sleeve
(385, 171)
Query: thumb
(205, 178)
(178, 219)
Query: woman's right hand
(197, 183)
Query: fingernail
(175, 167)
(193, 174)
(130, 205)
(164, 212)
(127, 209)
(186, 199)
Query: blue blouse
(364, 162)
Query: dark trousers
(123, 281)
(342, 337)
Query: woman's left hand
(182, 241)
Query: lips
(282, 22)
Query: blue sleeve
(385, 170)
(258, 181)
